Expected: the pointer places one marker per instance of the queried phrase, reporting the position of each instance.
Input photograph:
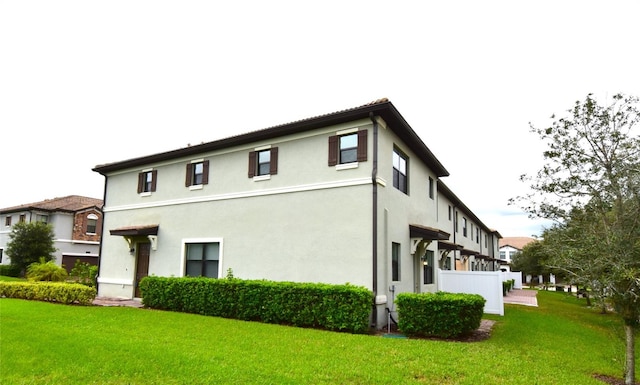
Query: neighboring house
(76, 222)
(348, 197)
(510, 246)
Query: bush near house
(9, 270)
(440, 314)
(344, 308)
(61, 292)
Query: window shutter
(273, 164)
(362, 146)
(252, 164)
(187, 181)
(154, 180)
(140, 181)
(205, 172)
(333, 150)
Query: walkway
(522, 297)
(104, 301)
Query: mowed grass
(560, 342)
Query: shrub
(10, 270)
(46, 271)
(333, 307)
(84, 273)
(439, 314)
(49, 291)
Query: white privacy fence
(486, 283)
(515, 275)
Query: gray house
(76, 222)
(351, 196)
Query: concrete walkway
(104, 301)
(522, 297)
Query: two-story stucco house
(76, 222)
(351, 196)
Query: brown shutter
(362, 146)
(273, 163)
(187, 180)
(205, 172)
(333, 150)
(252, 164)
(154, 180)
(140, 181)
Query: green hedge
(49, 291)
(439, 314)
(9, 270)
(333, 307)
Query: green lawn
(561, 342)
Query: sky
(85, 83)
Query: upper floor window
(23, 218)
(147, 181)
(263, 162)
(449, 212)
(400, 171)
(477, 235)
(197, 173)
(7, 220)
(464, 226)
(503, 255)
(92, 223)
(431, 187)
(42, 218)
(348, 147)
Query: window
(197, 173)
(503, 255)
(399, 171)
(395, 261)
(23, 218)
(427, 267)
(1, 255)
(7, 220)
(147, 181)
(263, 162)
(486, 241)
(431, 187)
(92, 223)
(449, 212)
(464, 226)
(477, 235)
(455, 224)
(348, 147)
(42, 218)
(202, 259)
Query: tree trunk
(630, 357)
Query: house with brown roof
(76, 222)
(509, 247)
(347, 197)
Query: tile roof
(516, 242)
(69, 203)
(380, 107)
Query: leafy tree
(590, 186)
(28, 242)
(532, 260)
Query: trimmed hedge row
(9, 270)
(439, 314)
(334, 307)
(61, 292)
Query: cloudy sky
(84, 83)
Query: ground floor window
(202, 259)
(395, 261)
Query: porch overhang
(468, 252)
(449, 246)
(129, 233)
(427, 233)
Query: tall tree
(590, 186)
(29, 242)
